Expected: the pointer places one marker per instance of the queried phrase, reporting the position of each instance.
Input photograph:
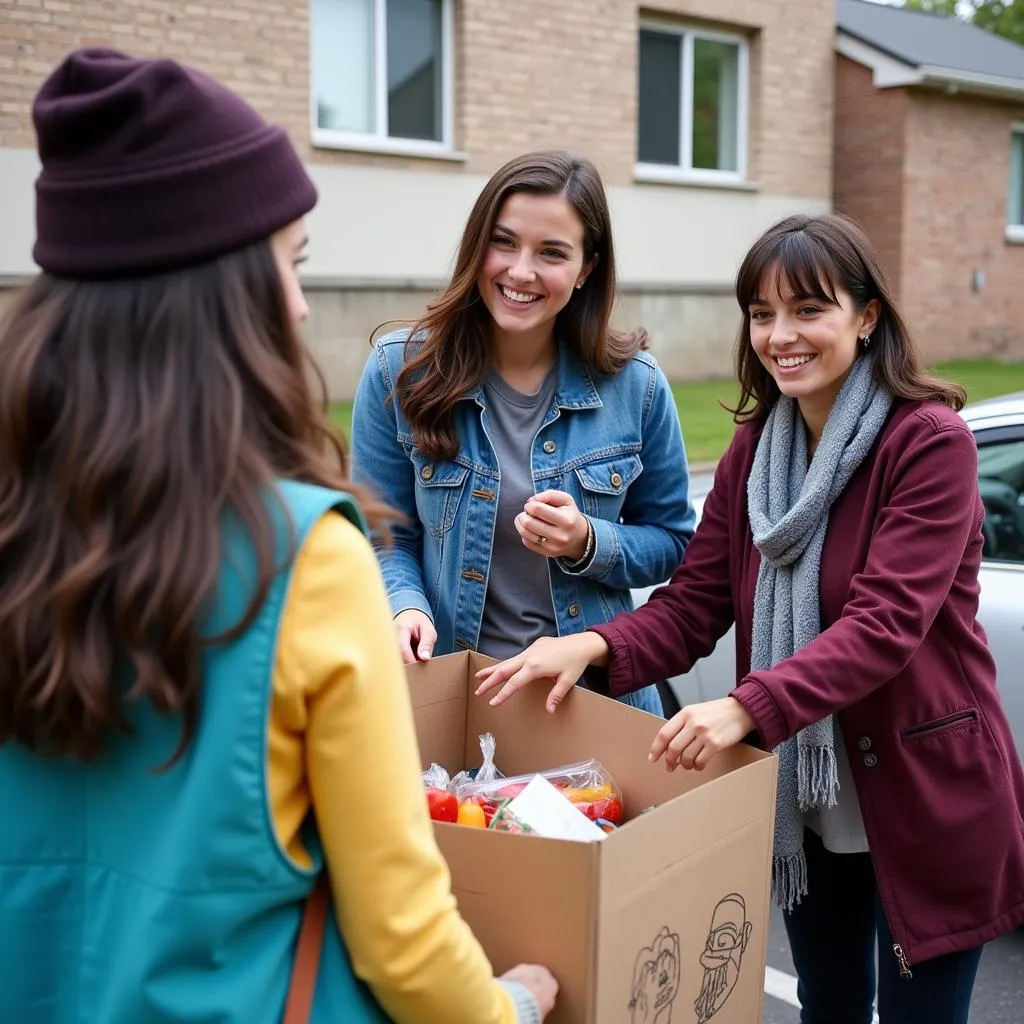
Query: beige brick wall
(956, 173)
(531, 74)
(566, 73)
(870, 131)
(792, 61)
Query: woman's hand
(414, 629)
(558, 659)
(700, 731)
(551, 525)
(539, 980)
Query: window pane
(1001, 482)
(1015, 201)
(343, 64)
(659, 98)
(715, 105)
(415, 63)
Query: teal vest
(131, 897)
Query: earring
(866, 341)
(579, 285)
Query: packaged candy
(441, 801)
(588, 784)
(472, 814)
(504, 820)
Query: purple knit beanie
(148, 165)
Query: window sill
(1015, 234)
(658, 174)
(323, 139)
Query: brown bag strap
(307, 954)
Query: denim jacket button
(616, 480)
(550, 446)
(427, 472)
(574, 610)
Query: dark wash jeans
(832, 935)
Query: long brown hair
(133, 414)
(448, 352)
(815, 256)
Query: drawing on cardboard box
(723, 954)
(655, 980)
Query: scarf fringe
(817, 778)
(789, 879)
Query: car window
(1001, 482)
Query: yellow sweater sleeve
(342, 737)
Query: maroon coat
(900, 658)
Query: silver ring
(540, 539)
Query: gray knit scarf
(789, 505)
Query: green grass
(707, 427)
(984, 378)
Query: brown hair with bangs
(815, 257)
(449, 348)
(134, 414)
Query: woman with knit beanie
(202, 710)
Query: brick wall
(926, 174)
(957, 171)
(527, 75)
(869, 156)
(792, 62)
(543, 73)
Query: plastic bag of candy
(587, 784)
(442, 803)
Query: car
(998, 428)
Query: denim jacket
(613, 443)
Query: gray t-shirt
(518, 608)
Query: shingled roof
(908, 47)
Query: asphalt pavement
(998, 992)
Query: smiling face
(534, 261)
(808, 341)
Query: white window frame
(1015, 232)
(379, 141)
(683, 172)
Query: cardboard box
(666, 920)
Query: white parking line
(783, 986)
(780, 985)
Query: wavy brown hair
(133, 415)
(449, 348)
(815, 256)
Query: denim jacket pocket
(605, 482)
(439, 487)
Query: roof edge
(890, 71)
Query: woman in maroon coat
(843, 539)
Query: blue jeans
(832, 934)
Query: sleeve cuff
(404, 600)
(527, 1008)
(617, 679)
(580, 568)
(606, 550)
(771, 726)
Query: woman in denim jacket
(536, 452)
